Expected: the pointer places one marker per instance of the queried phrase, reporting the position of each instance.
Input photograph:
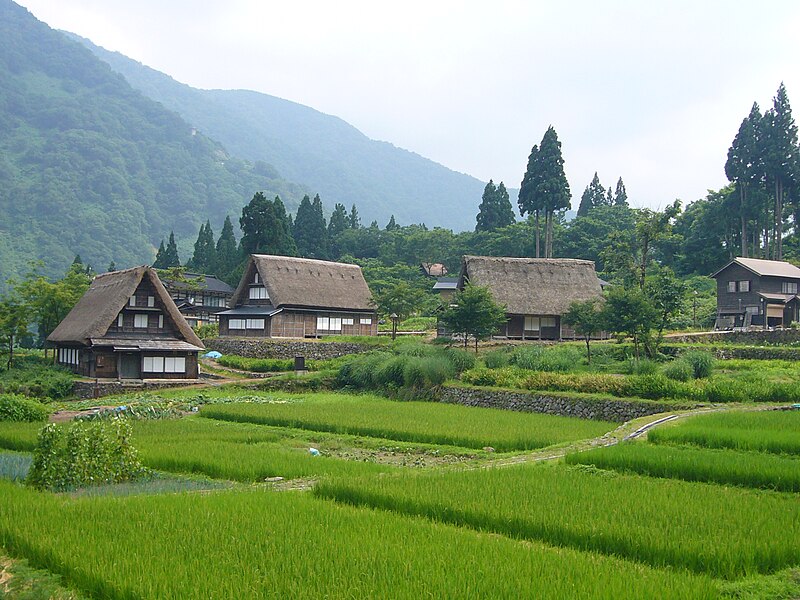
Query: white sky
(651, 91)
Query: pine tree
(355, 221)
(112, 266)
(495, 209)
(227, 255)
(339, 221)
(203, 259)
(265, 227)
(505, 212)
(620, 195)
(77, 260)
(743, 167)
(158, 263)
(594, 195)
(529, 200)
(310, 231)
(392, 224)
(171, 258)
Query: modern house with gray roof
(199, 297)
(288, 297)
(756, 292)
(126, 326)
(535, 291)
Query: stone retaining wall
(617, 411)
(89, 389)
(284, 348)
(756, 338)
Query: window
(789, 287)
(744, 286)
(254, 324)
(256, 279)
(258, 293)
(753, 310)
(236, 323)
(347, 321)
(731, 287)
(532, 324)
(175, 364)
(68, 356)
(132, 301)
(548, 321)
(119, 320)
(153, 364)
(329, 323)
(140, 321)
(161, 321)
(366, 321)
(151, 301)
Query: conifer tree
(392, 224)
(355, 221)
(265, 227)
(528, 200)
(171, 258)
(227, 255)
(112, 266)
(594, 195)
(744, 167)
(158, 263)
(339, 221)
(495, 209)
(310, 231)
(203, 259)
(620, 195)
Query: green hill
(89, 165)
(324, 152)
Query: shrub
(207, 331)
(527, 357)
(702, 363)
(390, 372)
(414, 373)
(497, 359)
(459, 359)
(84, 453)
(18, 408)
(642, 367)
(560, 359)
(679, 370)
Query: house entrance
(129, 366)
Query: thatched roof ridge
(307, 283)
(107, 295)
(533, 286)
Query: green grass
(728, 467)
(423, 422)
(724, 532)
(244, 544)
(21, 582)
(776, 432)
(19, 436)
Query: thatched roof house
(535, 291)
(284, 296)
(127, 326)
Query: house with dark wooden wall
(756, 292)
(288, 297)
(535, 291)
(199, 297)
(126, 326)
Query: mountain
(324, 152)
(91, 166)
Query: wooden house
(126, 326)
(199, 297)
(287, 297)
(535, 291)
(752, 291)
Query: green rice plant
(423, 422)
(14, 407)
(728, 467)
(678, 370)
(19, 436)
(244, 544)
(702, 362)
(776, 432)
(725, 532)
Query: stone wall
(776, 337)
(271, 348)
(89, 389)
(617, 411)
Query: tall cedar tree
(594, 195)
(158, 263)
(227, 255)
(528, 199)
(392, 224)
(355, 221)
(265, 227)
(171, 258)
(780, 158)
(310, 230)
(339, 221)
(495, 209)
(743, 168)
(204, 259)
(620, 195)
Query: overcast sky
(650, 91)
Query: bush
(207, 331)
(389, 374)
(560, 359)
(461, 360)
(702, 363)
(497, 359)
(527, 357)
(679, 370)
(18, 408)
(643, 366)
(84, 453)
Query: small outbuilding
(289, 297)
(126, 326)
(536, 291)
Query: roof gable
(764, 268)
(304, 282)
(533, 286)
(107, 295)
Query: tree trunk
(588, 351)
(538, 254)
(743, 202)
(778, 219)
(10, 352)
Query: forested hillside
(90, 166)
(324, 152)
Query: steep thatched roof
(107, 295)
(307, 283)
(533, 286)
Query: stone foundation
(617, 411)
(271, 348)
(777, 337)
(85, 390)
